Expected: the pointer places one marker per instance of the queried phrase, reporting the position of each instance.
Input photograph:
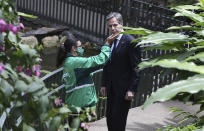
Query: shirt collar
(119, 37)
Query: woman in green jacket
(80, 90)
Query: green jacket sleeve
(83, 62)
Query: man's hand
(103, 91)
(129, 95)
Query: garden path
(151, 118)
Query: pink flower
(83, 124)
(2, 22)
(39, 59)
(37, 73)
(87, 126)
(58, 102)
(15, 29)
(2, 48)
(21, 25)
(12, 28)
(36, 69)
(2, 25)
(1, 68)
(19, 68)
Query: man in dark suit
(120, 75)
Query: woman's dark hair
(66, 47)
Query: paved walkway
(153, 117)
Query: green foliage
(173, 3)
(183, 128)
(23, 95)
(191, 85)
(27, 15)
(187, 62)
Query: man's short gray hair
(117, 15)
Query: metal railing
(53, 81)
(85, 15)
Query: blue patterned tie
(114, 47)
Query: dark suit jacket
(120, 73)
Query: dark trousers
(116, 113)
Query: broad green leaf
(12, 37)
(197, 56)
(44, 102)
(55, 123)
(173, 63)
(6, 88)
(75, 123)
(12, 73)
(19, 104)
(41, 92)
(201, 33)
(43, 115)
(160, 37)
(64, 110)
(201, 13)
(191, 7)
(196, 48)
(202, 2)
(21, 86)
(199, 42)
(191, 85)
(27, 15)
(34, 86)
(137, 40)
(26, 77)
(75, 109)
(187, 27)
(27, 50)
(137, 31)
(27, 127)
(53, 112)
(189, 14)
(180, 56)
(5, 74)
(199, 24)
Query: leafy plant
(173, 3)
(185, 57)
(183, 128)
(24, 99)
